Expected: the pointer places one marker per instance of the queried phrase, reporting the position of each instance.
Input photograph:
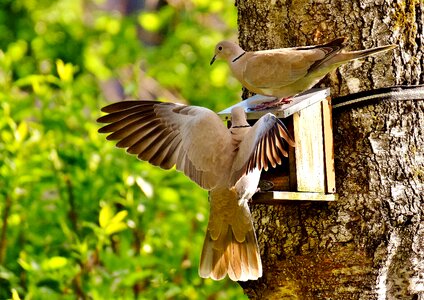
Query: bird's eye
(220, 48)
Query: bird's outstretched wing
(167, 134)
(263, 146)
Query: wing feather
(271, 69)
(192, 138)
(262, 146)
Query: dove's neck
(238, 118)
(239, 125)
(237, 53)
(238, 132)
(237, 62)
(238, 57)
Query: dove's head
(227, 50)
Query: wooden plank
(298, 103)
(292, 159)
(275, 197)
(309, 150)
(328, 146)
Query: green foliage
(81, 219)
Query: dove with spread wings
(225, 161)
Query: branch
(72, 214)
(3, 240)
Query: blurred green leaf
(65, 71)
(115, 227)
(15, 295)
(55, 262)
(150, 21)
(106, 214)
(112, 223)
(119, 217)
(17, 50)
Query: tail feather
(230, 246)
(240, 260)
(255, 263)
(234, 265)
(206, 260)
(219, 264)
(242, 222)
(343, 57)
(244, 261)
(336, 59)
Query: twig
(72, 214)
(3, 239)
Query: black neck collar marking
(240, 126)
(235, 59)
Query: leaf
(150, 21)
(17, 50)
(105, 216)
(15, 295)
(65, 71)
(112, 223)
(116, 224)
(119, 216)
(25, 265)
(21, 132)
(55, 262)
(115, 227)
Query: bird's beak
(213, 59)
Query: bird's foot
(286, 100)
(271, 104)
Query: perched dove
(227, 162)
(286, 72)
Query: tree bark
(369, 244)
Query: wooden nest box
(308, 172)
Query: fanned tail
(240, 260)
(230, 246)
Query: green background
(79, 218)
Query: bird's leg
(286, 100)
(271, 104)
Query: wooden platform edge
(327, 120)
(275, 197)
(298, 103)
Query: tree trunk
(369, 244)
